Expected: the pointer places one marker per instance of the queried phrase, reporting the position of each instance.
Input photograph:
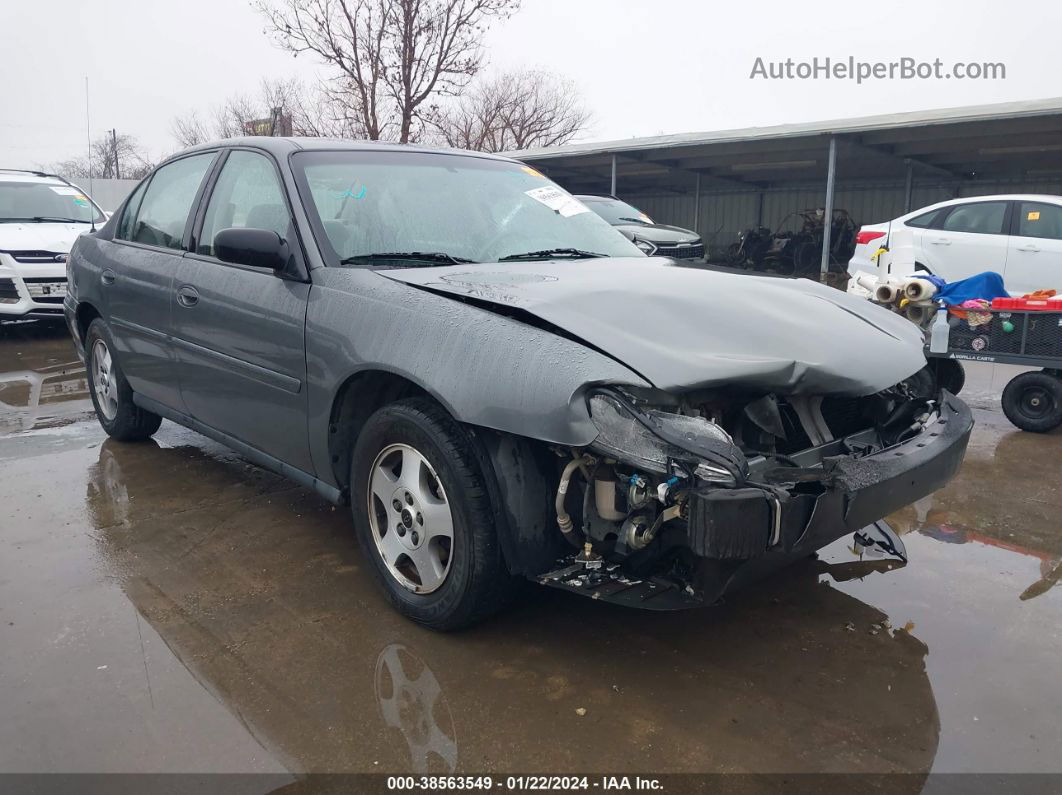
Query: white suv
(1018, 236)
(41, 216)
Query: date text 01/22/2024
(546, 783)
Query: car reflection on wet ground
(167, 606)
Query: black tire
(129, 422)
(477, 583)
(1033, 402)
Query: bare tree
(287, 108)
(514, 110)
(111, 156)
(392, 56)
(189, 130)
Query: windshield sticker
(534, 172)
(350, 194)
(558, 201)
(65, 190)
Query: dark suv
(500, 385)
(654, 239)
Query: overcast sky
(643, 67)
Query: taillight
(862, 238)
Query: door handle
(187, 295)
(1029, 247)
(108, 276)
(940, 241)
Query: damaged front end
(679, 500)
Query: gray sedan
(501, 385)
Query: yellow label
(533, 172)
(1034, 215)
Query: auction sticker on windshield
(557, 200)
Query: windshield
(616, 212)
(467, 208)
(45, 202)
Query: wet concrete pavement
(167, 606)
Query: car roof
(282, 147)
(1028, 197)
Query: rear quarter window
(925, 220)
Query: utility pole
(114, 148)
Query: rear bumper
(70, 315)
(854, 493)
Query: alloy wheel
(104, 381)
(410, 518)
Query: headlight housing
(648, 248)
(651, 439)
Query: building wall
(725, 214)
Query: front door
(1035, 258)
(137, 275)
(239, 331)
(970, 240)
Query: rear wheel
(423, 515)
(112, 397)
(1033, 402)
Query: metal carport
(719, 183)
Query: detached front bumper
(745, 525)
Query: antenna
(88, 152)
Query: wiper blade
(46, 219)
(550, 253)
(420, 256)
(641, 221)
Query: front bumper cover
(741, 535)
(746, 533)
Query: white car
(1018, 236)
(41, 216)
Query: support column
(613, 191)
(908, 186)
(697, 205)
(827, 221)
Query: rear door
(137, 274)
(1035, 258)
(239, 331)
(970, 239)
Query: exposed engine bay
(677, 494)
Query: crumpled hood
(660, 233)
(41, 237)
(686, 328)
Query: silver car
(500, 384)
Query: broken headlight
(652, 440)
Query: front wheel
(112, 397)
(1033, 402)
(422, 514)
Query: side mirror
(256, 248)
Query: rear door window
(125, 225)
(163, 213)
(984, 218)
(1040, 220)
(925, 220)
